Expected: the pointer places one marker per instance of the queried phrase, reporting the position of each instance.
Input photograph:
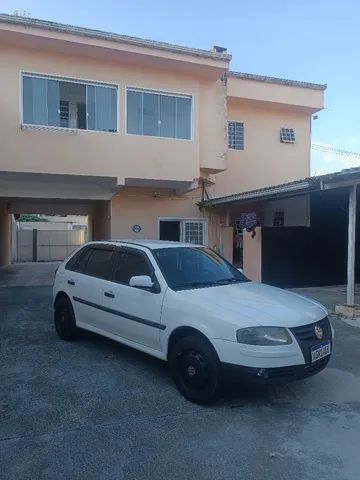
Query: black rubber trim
(121, 314)
(273, 375)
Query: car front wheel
(196, 369)
(64, 319)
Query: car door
(86, 283)
(133, 313)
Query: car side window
(130, 264)
(80, 264)
(75, 259)
(99, 263)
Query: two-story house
(136, 133)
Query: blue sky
(311, 40)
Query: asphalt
(97, 410)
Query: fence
(47, 245)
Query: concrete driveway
(98, 410)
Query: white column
(351, 246)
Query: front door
(85, 285)
(133, 313)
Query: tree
(31, 218)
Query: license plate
(320, 351)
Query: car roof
(151, 244)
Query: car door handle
(109, 294)
(71, 282)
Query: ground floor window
(186, 230)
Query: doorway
(169, 230)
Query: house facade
(136, 133)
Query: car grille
(305, 335)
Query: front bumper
(271, 376)
(275, 364)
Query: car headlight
(265, 336)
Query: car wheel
(196, 369)
(64, 319)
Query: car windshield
(195, 267)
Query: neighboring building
(135, 133)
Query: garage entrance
(48, 241)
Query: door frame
(182, 220)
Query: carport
(53, 194)
(307, 231)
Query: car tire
(196, 369)
(64, 319)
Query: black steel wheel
(64, 319)
(196, 369)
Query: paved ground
(97, 410)
(329, 296)
(24, 274)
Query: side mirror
(141, 281)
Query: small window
(130, 264)
(279, 219)
(194, 232)
(236, 135)
(287, 135)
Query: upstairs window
(69, 104)
(287, 135)
(158, 114)
(236, 135)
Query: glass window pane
(53, 103)
(167, 116)
(35, 101)
(99, 264)
(105, 109)
(90, 107)
(27, 100)
(183, 117)
(129, 265)
(134, 112)
(151, 114)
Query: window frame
(165, 93)
(182, 229)
(135, 251)
(227, 131)
(287, 131)
(59, 78)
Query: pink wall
(252, 255)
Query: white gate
(47, 245)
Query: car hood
(256, 304)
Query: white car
(186, 305)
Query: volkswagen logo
(318, 332)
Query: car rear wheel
(196, 369)
(64, 319)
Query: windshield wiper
(195, 285)
(226, 281)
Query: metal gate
(47, 245)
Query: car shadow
(233, 395)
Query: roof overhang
(68, 39)
(291, 94)
(341, 179)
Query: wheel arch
(61, 294)
(182, 332)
